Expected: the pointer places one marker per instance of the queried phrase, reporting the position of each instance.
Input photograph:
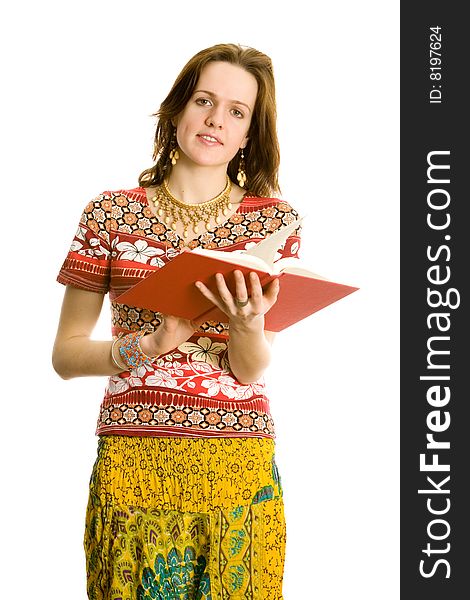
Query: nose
(215, 118)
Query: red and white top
(191, 390)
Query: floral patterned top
(191, 390)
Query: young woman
(185, 498)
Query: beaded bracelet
(131, 352)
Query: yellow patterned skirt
(185, 519)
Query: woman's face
(215, 122)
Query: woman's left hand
(243, 309)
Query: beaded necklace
(173, 210)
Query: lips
(211, 139)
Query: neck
(195, 184)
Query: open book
(171, 289)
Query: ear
(244, 144)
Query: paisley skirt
(185, 519)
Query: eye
(237, 113)
(203, 101)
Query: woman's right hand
(171, 332)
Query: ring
(241, 303)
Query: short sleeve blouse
(191, 390)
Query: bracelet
(120, 366)
(131, 352)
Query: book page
(289, 264)
(293, 265)
(238, 257)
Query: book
(171, 290)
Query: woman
(185, 499)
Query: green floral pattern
(176, 578)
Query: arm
(76, 355)
(249, 353)
(249, 348)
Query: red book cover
(171, 290)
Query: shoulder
(124, 196)
(106, 199)
(263, 203)
(101, 212)
(277, 209)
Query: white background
(80, 81)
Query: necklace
(174, 210)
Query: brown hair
(262, 152)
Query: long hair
(261, 154)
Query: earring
(174, 154)
(241, 177)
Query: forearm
(80, 356)
(249, 353)
(76, 355)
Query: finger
(241, 291)
(216, 299)
(205, 291)
(272, 291)
(224, 293)
(256, 291)
(167, 320)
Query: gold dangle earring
(174, 154)
(241, 177)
